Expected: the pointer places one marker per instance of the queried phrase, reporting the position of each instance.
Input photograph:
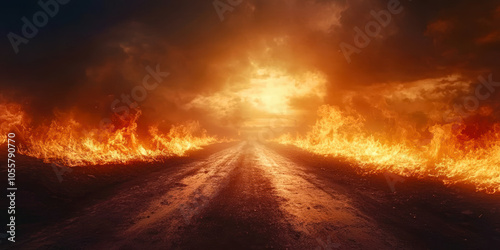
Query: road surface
(252, 196)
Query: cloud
(93, 52)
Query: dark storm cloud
(408, 50)
(88, 34)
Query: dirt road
(252, 196)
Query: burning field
(69, 142)
(282, 124)
(453, 153)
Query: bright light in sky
(263, 93)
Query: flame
(11, 117)
(451, 155)
(68, 142)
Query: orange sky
(267, 64)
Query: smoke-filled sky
(240, 65)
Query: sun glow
(272, 90)
(262, 93)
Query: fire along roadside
(29, 30)
(139, 93)
(471, 103)
(221, 8)
(372, 29)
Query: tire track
(320, 212)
